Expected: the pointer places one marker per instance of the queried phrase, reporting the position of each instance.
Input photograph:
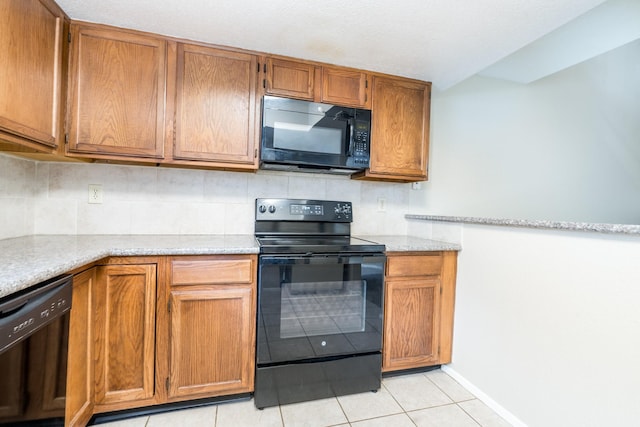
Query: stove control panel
(303, 210)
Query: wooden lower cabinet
(212, 309)
(80, 378)
(124, 328)
(418, 312)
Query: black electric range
(320, 295)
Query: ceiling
(442, 41)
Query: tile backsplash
(52, 198)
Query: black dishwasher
(34, 334)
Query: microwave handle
(350, 128)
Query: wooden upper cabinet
(216, 111)
(33, 45)
(345, 87)
(399, 130)
(117, 95)
(290, 79)
(313, 82)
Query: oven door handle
(316, 259)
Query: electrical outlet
(95, 193)
(382, 205)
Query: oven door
(319, 306)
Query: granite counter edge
(536, 224)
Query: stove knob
(272, 209)
(262, 209)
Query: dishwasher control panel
(26, 312)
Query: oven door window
(309, 310)
(322, 308)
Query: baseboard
(482, 396)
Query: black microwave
(310, 136)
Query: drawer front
(414, 265)
(212, 271)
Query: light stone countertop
(547, 225)
(26, 261)
(410, 243)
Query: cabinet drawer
(212, 271)
(414, 265)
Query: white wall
(547, 323)
(52, 198)
(564, 148)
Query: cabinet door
(216, 117)
(80, 379)
(399, 130)
(211, 340)
(290, 79)
(345, 87)
(32, 44)
(117, 94)
(412, 323)
(124, 334)
(212, 320)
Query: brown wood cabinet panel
(33, 46)
(80, 378)
(211, 325)
(399, 130)
(117, 93)
(345, 87)
(216, 110)
(290, 79)
(447, 304)
(125, 335)
(212, 340)
(419, 307)
(412, 323)
(415, 265)
(199, 271)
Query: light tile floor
(429, 399)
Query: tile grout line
(404, 411)
(450, 397)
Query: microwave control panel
(360, 145)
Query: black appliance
(34, 332)
(320, 296)
(309, 136)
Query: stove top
(302, 226)
(317, 244)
